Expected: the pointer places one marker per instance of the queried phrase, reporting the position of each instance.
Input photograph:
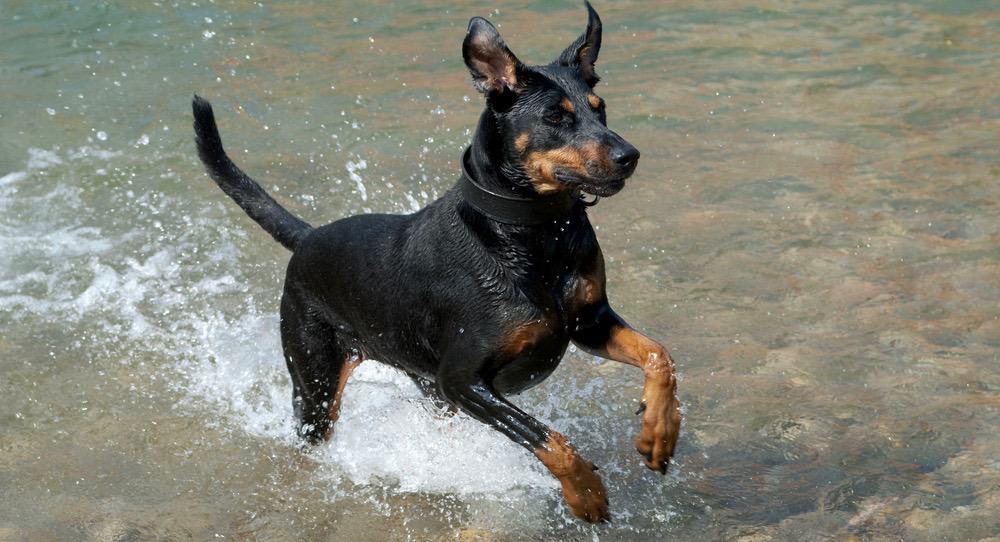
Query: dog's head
(553, 124)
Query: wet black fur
(438, 293)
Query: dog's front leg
(602, 332)
(461, 383)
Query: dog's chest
(532, 350)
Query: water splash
(229, 363)
(352, 171)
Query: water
(812, 229)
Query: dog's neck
(491, 162)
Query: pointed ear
(582, 53)
(494, 68)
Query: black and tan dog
(477, 295)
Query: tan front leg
(600, 331)
(660, 408)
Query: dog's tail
(285, 227)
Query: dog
(477, 295)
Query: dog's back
(382, 279)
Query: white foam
(352, 171)
(235, 367)
(13, 177)
(388, 433)
(88, 151)
(42, 158)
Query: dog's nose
(625, 156)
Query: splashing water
(233, 365)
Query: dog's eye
(555, 117)
(559, 116)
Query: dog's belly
(530, 367)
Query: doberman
(477, 295)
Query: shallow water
(812, 230)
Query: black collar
(511, 209)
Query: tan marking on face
(333, 411)
(542, 165)
(521, 142)
(581, 486)
(596, 155)
(594, 100)
(567, 105)
(527, 336)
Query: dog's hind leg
(318, 365)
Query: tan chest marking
(527, 336)
(588, 291)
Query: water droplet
(102, 135)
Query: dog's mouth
(594, 186)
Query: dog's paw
(661, 424)
(581, 486)
(585, 494)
